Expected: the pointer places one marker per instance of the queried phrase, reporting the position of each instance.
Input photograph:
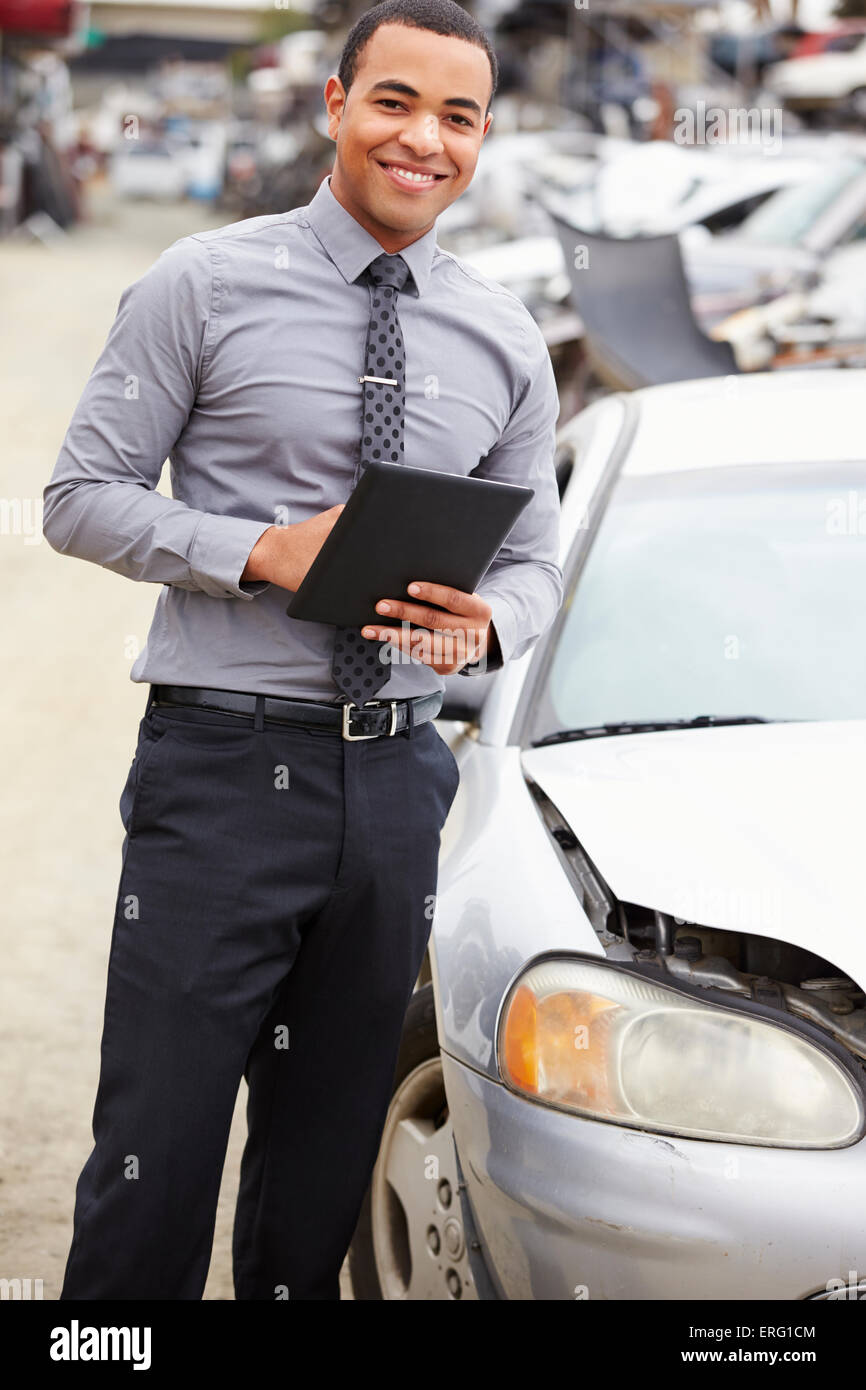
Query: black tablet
(401, 524)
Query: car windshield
(787, 217)
(732, 591)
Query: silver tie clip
(385, 380)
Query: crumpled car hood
(757, 828)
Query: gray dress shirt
(237, 356)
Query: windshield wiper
(649, 726)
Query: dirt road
(70, 713)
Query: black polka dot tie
(356, 667)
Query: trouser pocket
(149, 739)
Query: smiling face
(408, 131)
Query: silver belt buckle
(357, 738)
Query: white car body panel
(827, 75)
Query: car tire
(856, 104)
(448, 1265)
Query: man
(283, 809)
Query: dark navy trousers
(275, 901)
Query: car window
(786, 218)
(725, 591)
(734, 213)
(844, 43)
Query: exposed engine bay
(770, 972)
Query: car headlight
(613, 1046)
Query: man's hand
(444, 640)
(283, 554)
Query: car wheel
(411, 1240)
(857, 104)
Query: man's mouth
(415, 180)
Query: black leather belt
(375, 719)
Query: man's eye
(392, 103)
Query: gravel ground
(70, 714)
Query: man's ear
(487, 120)
(335, 103)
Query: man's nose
(422, 135)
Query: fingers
(446, 636)
(444, 649)
(454, 600)
(456, 603)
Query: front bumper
(568, 1208)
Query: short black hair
(440, 16)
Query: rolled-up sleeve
(101, 503)
(524, 582)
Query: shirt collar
(352, 248)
